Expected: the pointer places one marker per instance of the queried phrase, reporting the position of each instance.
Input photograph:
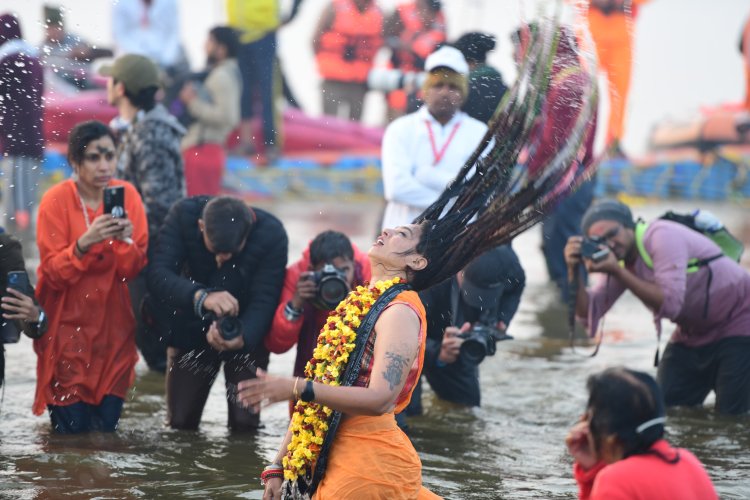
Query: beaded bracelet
(198, 306)
(271, 473)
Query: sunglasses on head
(109, 155)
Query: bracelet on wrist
(78, 247)
(273, 466)
(292, 313)
(271, 474)
(198, 304)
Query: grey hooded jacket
(150, 158)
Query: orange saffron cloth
(371, 458)
(613, 37)
(89, 348)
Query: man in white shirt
(149, 28)
(423, 151)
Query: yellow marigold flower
(309, 423)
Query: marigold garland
(336, 341)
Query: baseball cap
(485, 278)
(136, 72)
(447, 57)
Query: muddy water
(511, 447)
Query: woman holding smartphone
(86, 361)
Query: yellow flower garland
(336, 341)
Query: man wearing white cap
(423, 151)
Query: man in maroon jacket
(21, 124)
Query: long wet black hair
(628, 404)
(491, 200)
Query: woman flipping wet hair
(619, 448)
(370, 351)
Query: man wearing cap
(149, 157)
(487, 292)
(423, 151)
(679, 274)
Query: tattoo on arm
(394, 368)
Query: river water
(511, 447)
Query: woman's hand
(266, 389)
(273, 489)
(104, 227)
(17, 305)
(126, 229)
(580, 444)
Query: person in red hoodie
(302, 311)
(619, 446)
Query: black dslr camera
(591, 249)
(331, 286)
(482, 340)
(230, 327)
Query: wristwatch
(291, 313)
(308, 394)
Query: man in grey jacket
(214, 106)
(149, 157)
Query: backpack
(708, 225)
(700, 221)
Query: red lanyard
(438, 155)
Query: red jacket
(647, 477)
(304, 332)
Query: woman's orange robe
(89, 348)
(371, 458)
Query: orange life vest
(421, 40)
(348, 48)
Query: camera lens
(332, 291)
(230, 327)
(473, 350)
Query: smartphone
(114, 201)
(19, 280)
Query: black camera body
(331, 286)
(230, 327)
(591, 249)
(481, 341)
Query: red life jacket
(348, 48)
(421, 40)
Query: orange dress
(371, 458)
(89, 348)
(613, 37)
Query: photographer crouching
(681, 274)
(214, 281)
(466, 316)
(314, 285)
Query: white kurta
(412, 180)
